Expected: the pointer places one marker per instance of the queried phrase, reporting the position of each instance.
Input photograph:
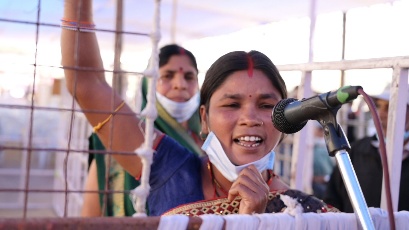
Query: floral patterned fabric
(222, 206)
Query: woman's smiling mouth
(248, 141)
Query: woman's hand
(253, 190)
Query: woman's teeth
(250, 138)
(254, 139)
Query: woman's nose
(179, 81)
(383, 110)
(250, 117)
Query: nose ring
(261, 123)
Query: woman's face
(178, 79)
(240, 116)
(382, 107)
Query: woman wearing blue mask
(236, 99)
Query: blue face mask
(405, 135)
(219, 159)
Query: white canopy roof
(192, 19)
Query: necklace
(215, 183)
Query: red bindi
(180, 70)
(250, 95)
(250, 65)
(182, 51)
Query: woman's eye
(232, 105)
(166, 76)
(189, 77)
(267, 106)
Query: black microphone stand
(338, 145)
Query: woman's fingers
(253, 190)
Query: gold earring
(202, 135)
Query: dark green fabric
(166, 124)
(96, 144)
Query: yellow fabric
(99, 126)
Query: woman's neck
(219, 180)
(185, 125)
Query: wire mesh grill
(43, 132)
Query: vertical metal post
(304, 90)
(118, 81)
(396, 119)
(174, 21)
(343, 112)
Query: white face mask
(180, 111)
(218, 158)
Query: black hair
(236, 61)
(166, 52)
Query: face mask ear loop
(207, 123)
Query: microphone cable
(384, 159)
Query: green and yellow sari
(119, 204)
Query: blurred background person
(366, 160)
(323, 164)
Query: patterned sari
(276, 204)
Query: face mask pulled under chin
(219, 159)
(180, 111)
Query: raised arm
(92, 92)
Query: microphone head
(279, 120)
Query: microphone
(291, 115)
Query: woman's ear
(203, 120)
